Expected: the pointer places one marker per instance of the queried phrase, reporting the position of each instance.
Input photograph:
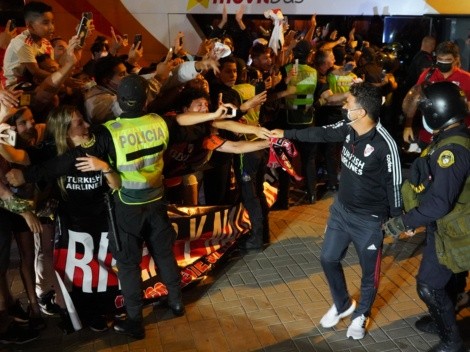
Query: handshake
(395, 227)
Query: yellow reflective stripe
(136, 184)
(137, 165)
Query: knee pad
(426, 294)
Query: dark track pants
(366, 234)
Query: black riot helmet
(442, 104)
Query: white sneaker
(331, 318)
(463, 300)
(358, 326)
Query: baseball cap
(132, 95)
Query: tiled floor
(273, 301)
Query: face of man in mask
(351, 111)
(446, 62)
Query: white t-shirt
(22, 49)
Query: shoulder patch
(446, 159)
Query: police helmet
(132, 94)
(442, 104)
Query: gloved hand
(394, 227)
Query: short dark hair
(368, 97)
(55, 40)
(98, 47)
(35, 9)
(189, 94)
(104, 68)
(259, 49)
(448, 47)
(228, 59)
(16, 115)
(320, 57)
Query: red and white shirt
(21, 50)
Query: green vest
(305, 82)
(453, 230)
(299, 106)
(246, 91)
(139, 144)
(340, 83)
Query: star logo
(193, 3)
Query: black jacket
(371, 170)
(448, 180)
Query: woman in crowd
(81, 202)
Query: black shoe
(177, 308)
(98, 324)
(37, 323)
(248, 249)
(279, 205)
(17, 313)
(65, 323)
(427, 325)
(47, 304)
(130, 328)
(18, 335)
(249, 245)
(311, 199)
(448, 347)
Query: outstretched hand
(277, 133)
(257, 100)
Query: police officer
(298, 113)
(443, 107)
(141, 215)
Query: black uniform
(449, 167)
(369, 193)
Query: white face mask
(346, 114)
(426, 126)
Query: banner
(303, 7)
(85, 265)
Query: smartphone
(137, 39)
(260, 87)
(25, 99)
(181, 41)
(231, 112)
(24, 86)
(88, 15)
(11, 139)
(12, 24)
(82, 31)
(296, 67)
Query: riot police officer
(447, 166)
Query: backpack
(452, 237)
